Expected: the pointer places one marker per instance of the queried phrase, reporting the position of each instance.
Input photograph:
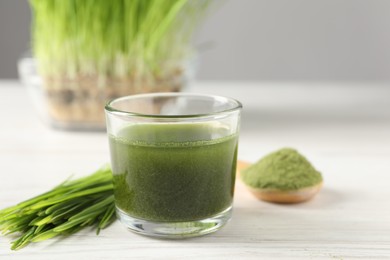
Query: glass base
(175, 230)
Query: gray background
(264, 40)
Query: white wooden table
(344, 130)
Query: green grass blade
(74, 205)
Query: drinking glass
(173, 158)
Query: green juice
(173, 172)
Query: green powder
(284, 169)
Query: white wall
(299, 40)
(265, 40)
(14, 34)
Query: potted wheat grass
(85, 52)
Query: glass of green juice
(173, 158)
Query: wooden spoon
(280, 196)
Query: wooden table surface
(343, 129)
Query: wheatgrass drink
(173, 159)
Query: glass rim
(110, 109)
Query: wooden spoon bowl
(280, 196)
